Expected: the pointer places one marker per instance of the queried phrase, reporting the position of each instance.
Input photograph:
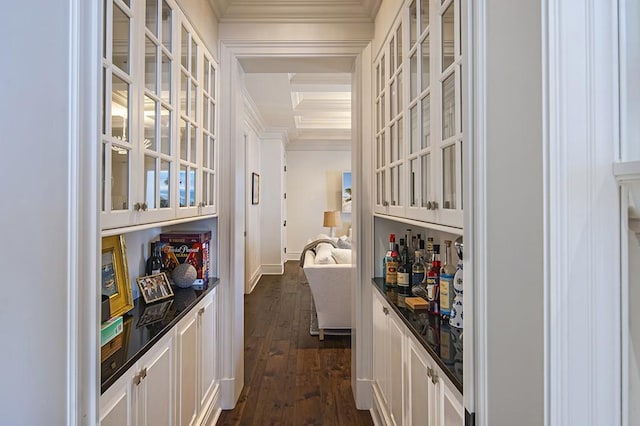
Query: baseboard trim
(228, 397)
(294, 255)
(253, 281)
(273, 269)
(363, 394)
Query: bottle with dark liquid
(391, 261)
(404, 269)
(433, 282)
(154, 263)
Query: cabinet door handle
(429, 372)
(143, 373)
(385, 204)
(435, 205)
(434, 378)
(137, 379)
(429, 205)
(137, 207)
(201, 311)
(144, 206)
(385, 310)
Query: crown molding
(318, 145)
(253, 118)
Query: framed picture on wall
(255, 188)
(346, 192)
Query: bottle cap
(392, 238)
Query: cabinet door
(395, 340)
(156, 390)
(421, 400)
(187, 370)
(380, 355)
(208, 360)
(116, 404)
(452, 407)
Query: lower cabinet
(196, 358)
(409, 388)
(174, 382)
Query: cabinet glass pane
(192, 148)
(384, 149)
(194, 56)
(205, 188)
(212, 118)
(184, 88)
(183, 139)
(378, 189)
(383, 110)
(426, 122)
(425, 173)
(165, 131)
(426, 63)
(126, 2)
(378, 153)
(448, 107)
(205, 114)
(399, 46)
(165, 184)
(192, 187)
(205, 75)
(150, 174)
(394, 179)
(392, 57)
(393, 142)
(151, 16)
(206, 161)
(104, 31)
(449, 177)
(119, 178)
(413, 23)
(166, 25)
(393, 96)
(400, 138)
(211, 191)
(414, 135)
(121, 39)
(383, 186)
(447, 36)
(184, 44)
(103, 110)
(413, 69)
(193, 96)
(120, 109)
(413, 175)
(165, 79)
(212, 141)
(377, 79)
(424, 13)
(150, 124)
(150, 64)
(183, 186)
(399, 92)
(383, 77)
(378, 118)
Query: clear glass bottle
(404, 269)
(391, 261)
(447, 272)
(433, 282)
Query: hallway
(291, 378)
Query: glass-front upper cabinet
(153, 158)
(420, 168)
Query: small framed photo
(115, 275)
(155, 287)
(154, 313)
(255, 188)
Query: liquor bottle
(417, 275)
(456, 319)
(433, 282)
(404, 269)
(447, 272)
(391, 261)
(154, 263)
(410, 249)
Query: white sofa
(331, 286)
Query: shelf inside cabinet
(428, 225)
(127, 229)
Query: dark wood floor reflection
(292, 378)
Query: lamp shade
(331, 219)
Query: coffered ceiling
(295, 10)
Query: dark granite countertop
(145, 325)
(442, 342)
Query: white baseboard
(255, 277)
(228, 397)
(363, 394)
(275, 269)
(210, 416)
(294, 255)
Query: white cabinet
(144, 395)
(196, 361)
(175, 381)
(159, 106)
(419, 135)
(409, 387)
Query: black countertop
(145, 325)
(442, 342)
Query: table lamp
(331, 221)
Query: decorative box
(110, 329)
(186, 247)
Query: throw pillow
(344, 242)
(323, 254)
(341, 256)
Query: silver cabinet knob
(429, 205)
(434, 204)
(385, 310)
(144, 206)
(137, 207)
(385, 203)
(434, 378)
(429, 372)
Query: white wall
(314, 184)
(253, 212)
(271, 220)
(201, 16)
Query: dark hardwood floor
(292, 378)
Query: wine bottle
(417, 275)
(154, 263)
(391, 261)
(404, 269)
(447, 272)
(433, 282)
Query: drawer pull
(385, 310)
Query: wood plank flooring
(292, 378)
